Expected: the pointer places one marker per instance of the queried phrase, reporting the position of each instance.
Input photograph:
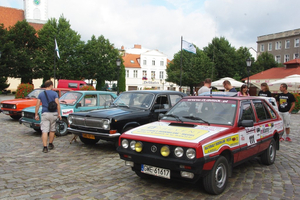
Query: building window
(153, 62)
(262, 48)
(127, 73)
(297, 42)
(278, 45)
(277, 59)
(286, 58)
(161, 63)
(270, 46)
(296, 55)
(287, 44)
(161, 75)
(135, 73)
(152, 74)
(144, 75)
(144, 62)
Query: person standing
(286, 103)
(205, 87)
(48, 120)
(265, 92)
(227, 85)
(244, 91)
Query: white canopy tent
(292, 81)
(219, 83)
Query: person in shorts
(48, 120)
(286, 103)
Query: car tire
(88, 141)
(216, 180)
(15, 117)
(269, 155)
(64, 131)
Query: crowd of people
(285, 100)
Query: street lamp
(248, 62)
(118, 63)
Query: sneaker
(281, 139)
(51, 146)
(288, 139)
(45, 150)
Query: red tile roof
(275, 73)
(294, 61)
(131, 60)
(10, 16)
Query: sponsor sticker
(230, 141)
(67, 111)
(170, 132)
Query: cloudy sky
(159, 24)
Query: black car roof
(156, 92)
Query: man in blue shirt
(228, 87)
(48, 118)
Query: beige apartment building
(284, 45)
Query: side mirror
(161, 115)
(78, 105)
(246, 123)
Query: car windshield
(70, 98)
(210, 111)
(130, 99)
(35, 93)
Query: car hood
(19, 101)
(110, 112)
(164, 130)
(31, 109)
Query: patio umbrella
(293, 83)
(219, 83)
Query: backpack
(52, 105)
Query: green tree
(223, 56)
(264, 61)
(20, 53)
(122, 80)
(195, 68)
(3, 70)
(70, 50)
(100, 61)
(243, 54)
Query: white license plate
(156, 171)
(5, 112)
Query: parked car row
(166, 134)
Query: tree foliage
(195, 68)
(264, 61)
(3, 70)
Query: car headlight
(1, 105)
(14, 107)
(165, 151)
(132, 145)
(70, 119)
(191, 153)
(138, 146)
(105, 124)
(23, 114)
(124, 143)
(178, 152)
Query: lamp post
(118, 63)
(248, 62)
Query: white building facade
(146, 69)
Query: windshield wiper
(121, 105)
(174, 116)
(196, 118)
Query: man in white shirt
(205, 87)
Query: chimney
(122, 47)
(137, 46)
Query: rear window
(73, 85)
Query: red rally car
(203, 138)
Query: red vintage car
(14, 107)
(203, 138)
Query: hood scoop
(182, 125)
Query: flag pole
(180, 65)
(54, 60)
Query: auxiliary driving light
(138, 147)
(178, 152)
(132, 145)
(125, 144)
(191, 153)
(187, 174)
(129, 163)
(165, 151)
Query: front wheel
(88, 141)
(269, 155)
(216, 180)
(61, 127)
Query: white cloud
(158, 24)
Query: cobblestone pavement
(76, 171)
